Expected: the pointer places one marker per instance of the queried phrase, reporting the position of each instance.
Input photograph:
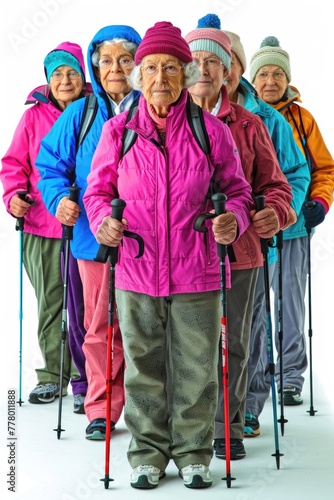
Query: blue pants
(294, 277)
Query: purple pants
(76, 330)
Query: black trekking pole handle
(117, 209)
(260, 205)
(279, 240)
(104, 251)
(309, 205)
(74, 192)
(219, 201)
(20, 220)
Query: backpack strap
(195, 120)
(88, 117)
(129, 135)
(302, 136)
(196, 123)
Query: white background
(30, 29)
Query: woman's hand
(68, 211)
(110, 231)
(224, 228)
(18, 207)
(265, 222)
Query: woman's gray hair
(129, 46)
(191, 75)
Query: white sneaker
(146, 476)
(196, 476)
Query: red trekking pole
(111, 253)
(219, 201)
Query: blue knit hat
(63, 55)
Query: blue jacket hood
(252, 101)
(108, 33)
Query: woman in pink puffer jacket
(168, 301)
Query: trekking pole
(219, 200)
(104, 253)
(19, 227)
(260, 205)
(279, 245)
(68, 235)
(311, 411)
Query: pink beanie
(164, 38)
(209, 37)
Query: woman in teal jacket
(293, 164)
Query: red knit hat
(164, 38)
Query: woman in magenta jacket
(168, 301)
(65, 72)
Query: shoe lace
(146, 468)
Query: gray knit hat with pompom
(270, 53)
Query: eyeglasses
(277, 75)
(168, 69)
(123, 62)
(210, 63)
(72, 75)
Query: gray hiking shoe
(79, 403)
(146, 477)
(45, 393)
(196, 476)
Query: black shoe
(291, 396)
(96, 430)
(252, 425)
(237, 450)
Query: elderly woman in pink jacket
(65, 73)
(168, 301)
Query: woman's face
(233, 78)
(270, 83)
(212, 76)
(115, 64)
(66, 85)
(163, 78)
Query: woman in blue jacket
(61, 162)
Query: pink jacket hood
(72, 48)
